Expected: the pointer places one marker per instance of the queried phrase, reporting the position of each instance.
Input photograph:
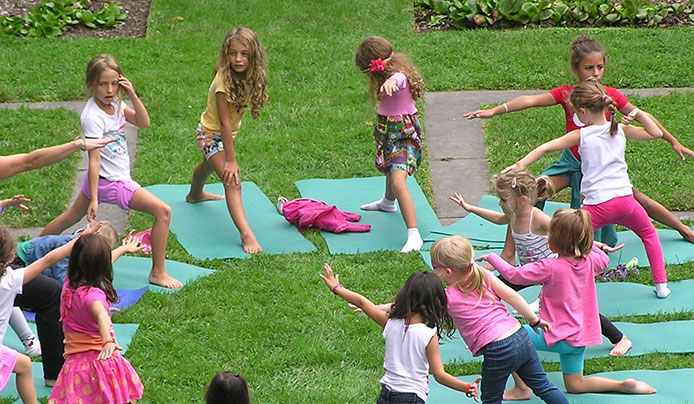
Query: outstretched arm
(516, 104)
(19, 163)
(487, 214)
(516, 301)
(635, 113)
(564, 142)
(109, 345)
(443, 377)
(649, 131)
(332, 281)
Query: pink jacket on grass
(310, 213)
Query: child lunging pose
(474, 302)
(94, 371)
(239, 81)
(588, 62)
(396, 82)
(11, 283)
(568, 300)
(412, 330)
(518, 192)
(606, 188)
(108, 177)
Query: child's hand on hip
(108, 350)
(473, 389)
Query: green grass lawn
(270, 317)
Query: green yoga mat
(672, 386)
(124, 335)
(669, 337)
(633, 299)
(206, 231)
(388, 231)
(133, 273)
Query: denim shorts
(393, 397)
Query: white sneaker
(32, 347)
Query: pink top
(561, 96)
(401, 102)
(479, 323)
(568, 300)
(79, 326)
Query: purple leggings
(625, 211)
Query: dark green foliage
(50, 18)
(563, 13)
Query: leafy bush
(50, 18)
(565, 13)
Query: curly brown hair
(379, 48)
(251, 85)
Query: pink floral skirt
(84, 379)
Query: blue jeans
(515, 354)
(392, 397)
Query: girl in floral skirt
(94, 371)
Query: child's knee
(23, 365)
(399, 186)
(163, 212)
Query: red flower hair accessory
(377, 65)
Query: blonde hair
(379, 48)
(251, 85)
(98, 65)
(517, 182)
(571, 233)
(456, 253)
(591, 95)
(109, 233)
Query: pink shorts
(114, 192)
(8, 358)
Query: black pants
(606, 327)
(42, 296)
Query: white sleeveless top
(604, 169)
(531, 247)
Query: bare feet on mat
(636, 387)
(516, 394)
(250, 244)
(622, 347)
(205, 196)
(49, 382)
(164, 280)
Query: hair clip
(377, 65)
(513, 183)
(603, 97)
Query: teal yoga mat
(633, 299)
(388, 231)
(133, 273)
(669, 337)
(672, 386)
(124, 335)
(206, 231)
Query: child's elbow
(657, 133)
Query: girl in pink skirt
(94, 371)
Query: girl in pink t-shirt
(568, 300)
(588, 63)
(94, 371)
(397, 84)
(475, 305)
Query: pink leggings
(625, 211)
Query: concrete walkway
(112, 213)
(457, 154)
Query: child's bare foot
(205, 196)
(49, 382)
(632, 386)
(250, 244)
(164, 280)
(621, 347)
(516, 394)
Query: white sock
(661, 290)
(19, 324)
(414, 241)
(383, 204)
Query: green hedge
(564, 13)
(52, 17)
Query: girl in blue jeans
(411, 328)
